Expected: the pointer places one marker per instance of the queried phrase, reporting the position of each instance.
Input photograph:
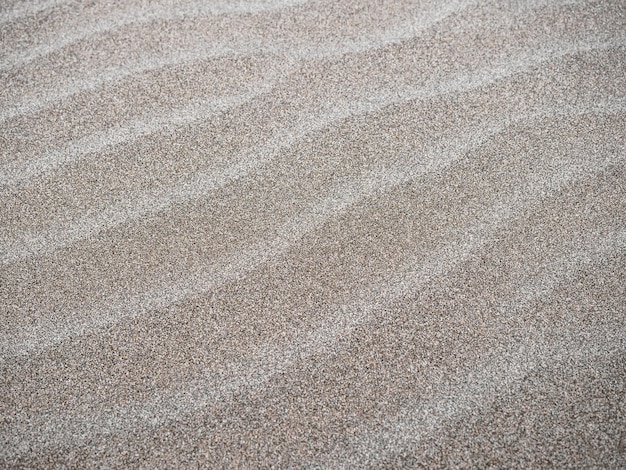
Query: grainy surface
(318, 234)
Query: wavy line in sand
(205, 183)
(507, 366)
(42, 336)
(271, 360)
(29, 9)
(133, 16)
(48, 98)
(504, 374)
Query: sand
(313, 234)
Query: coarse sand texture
(312, 234)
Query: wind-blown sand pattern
(289, 233)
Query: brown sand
(289, 233)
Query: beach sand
(313, 234)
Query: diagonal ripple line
(41, 337)
(29, 9)
(507, 368)
(475, 388)
(133, 16)
(20, 173)
(401, 33)
(204, 183)
(43, 100)
(16, 174)
(272, 359)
